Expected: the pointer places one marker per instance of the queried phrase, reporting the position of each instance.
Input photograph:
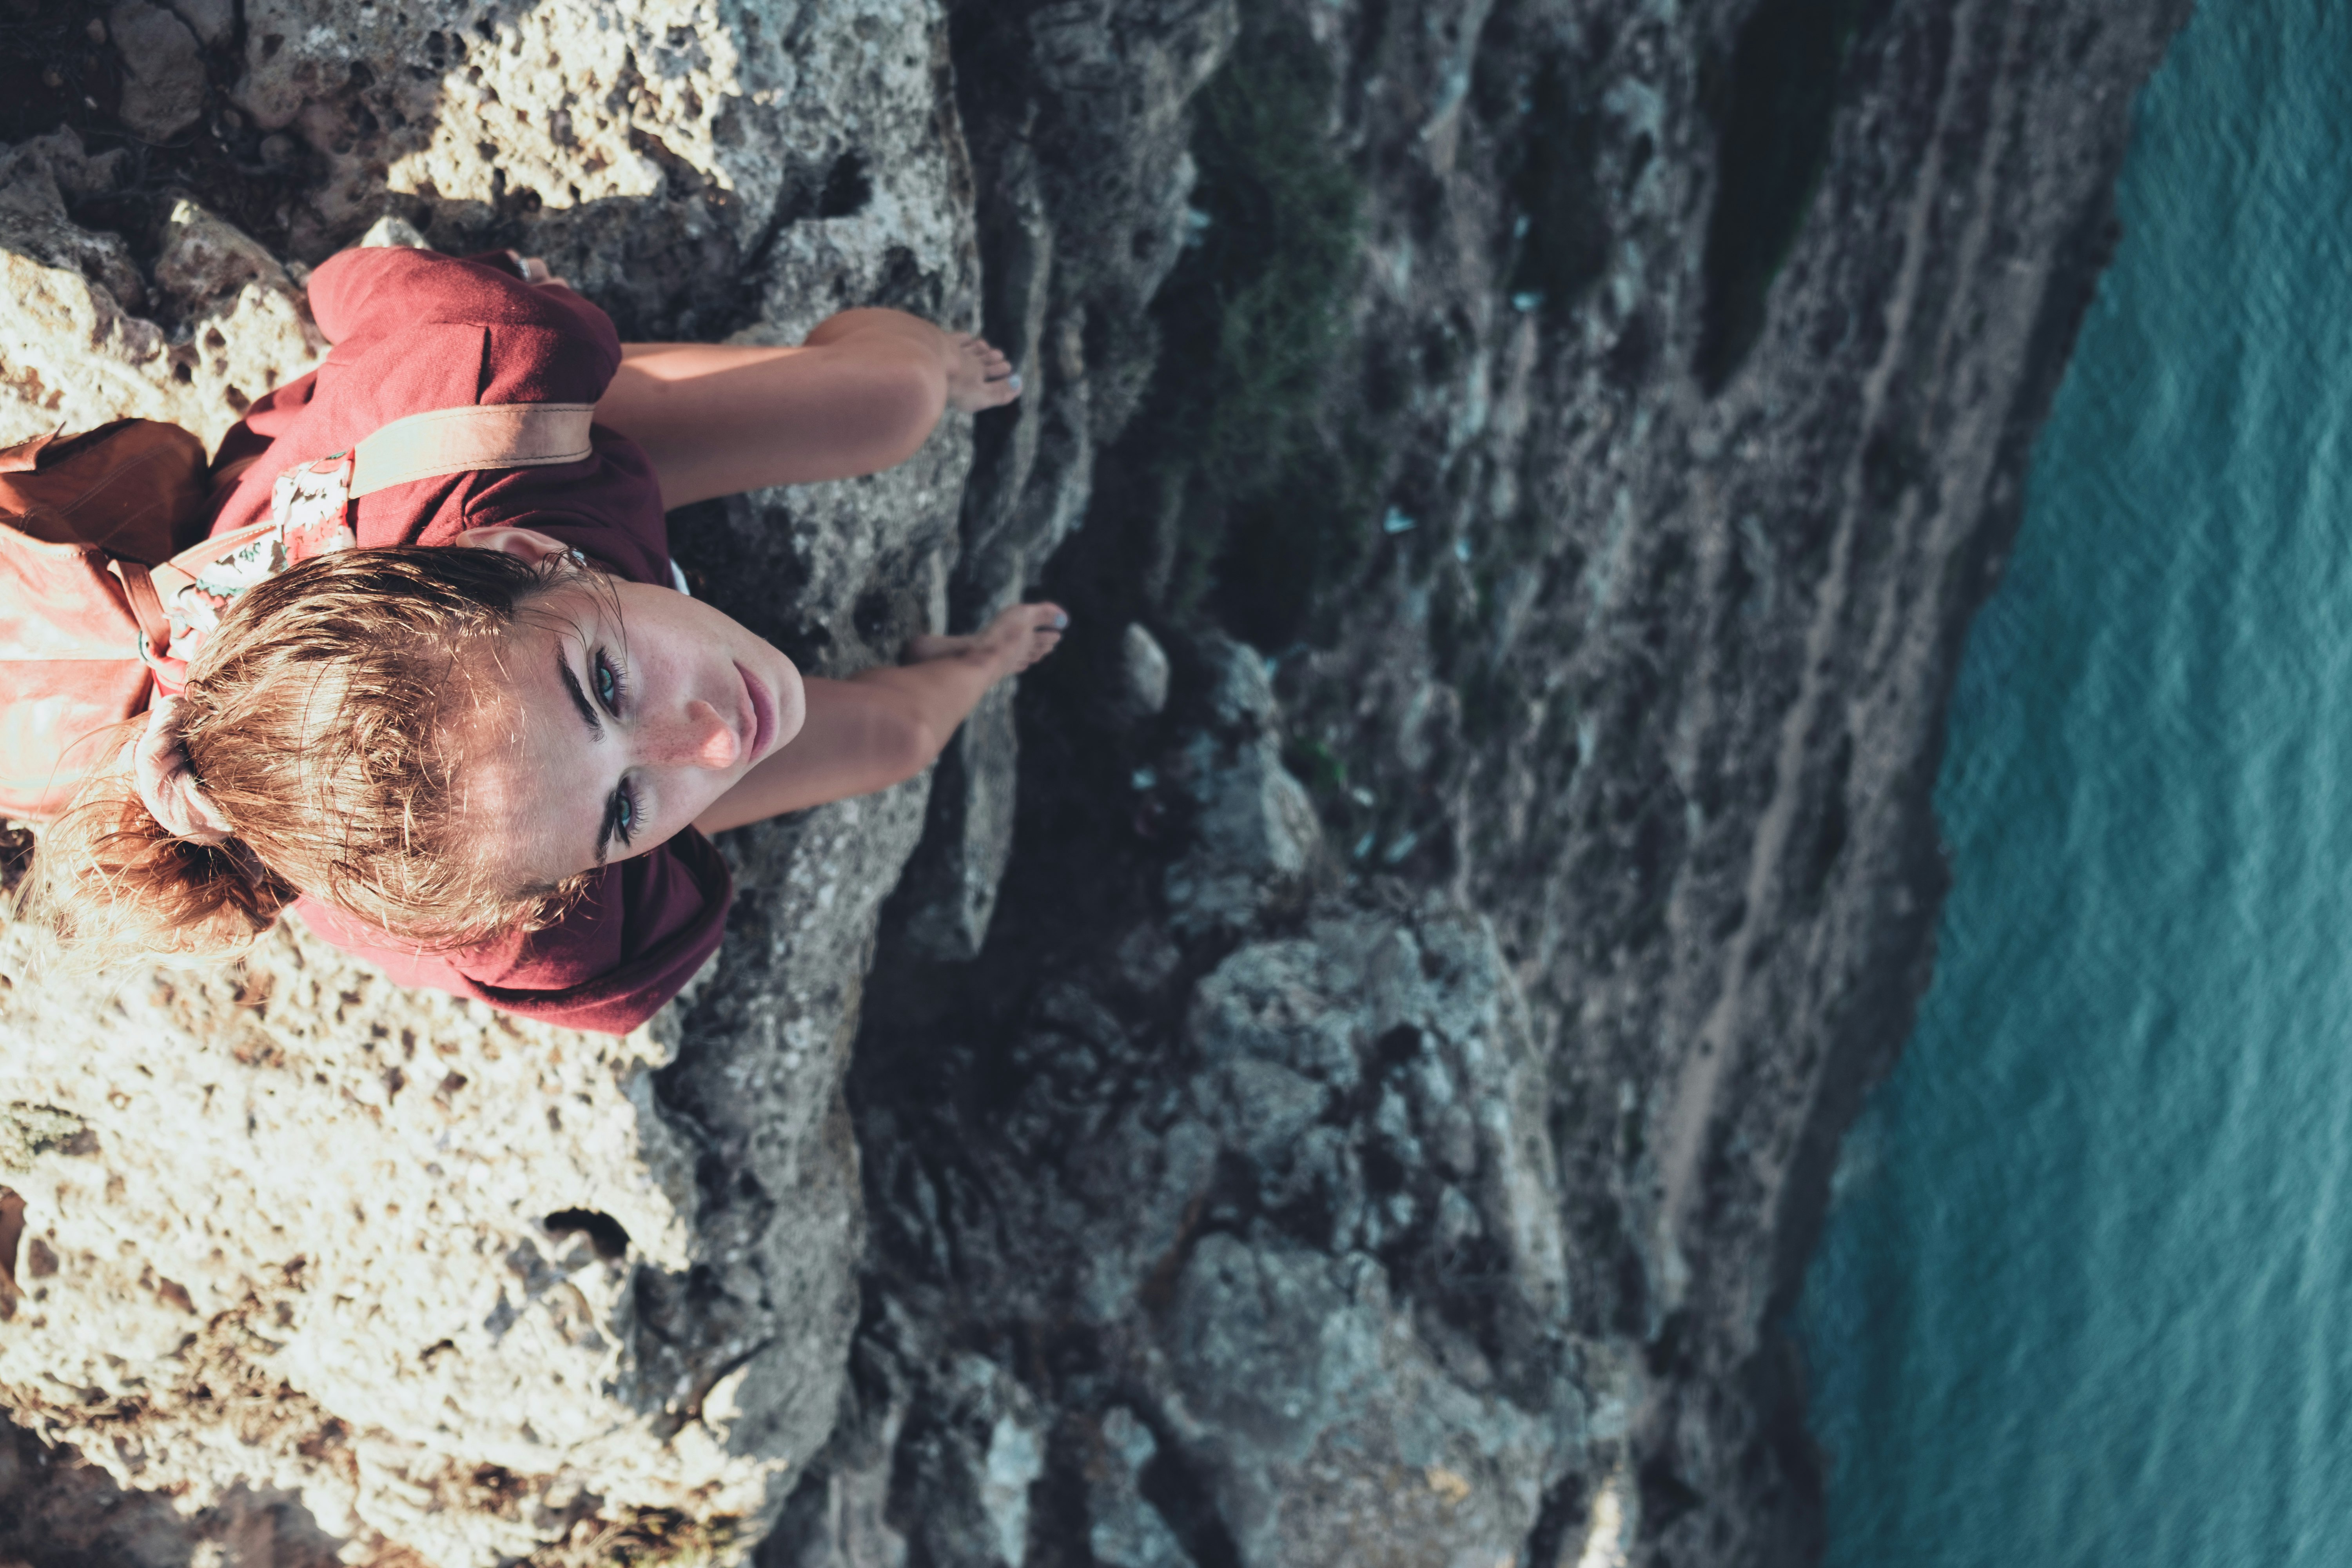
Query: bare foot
(979, 377)
(1015, 640)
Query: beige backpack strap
(457, 440)
(146, 604)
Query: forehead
(528, 786)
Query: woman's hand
(863, 393)
(885, 725)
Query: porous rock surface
(391, 1276)
(1351, 1071)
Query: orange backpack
(83, 521)
(98, 531)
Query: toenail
(1013, 381)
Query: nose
(699, 737)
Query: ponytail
(113, 884)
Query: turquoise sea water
(2086, 1295)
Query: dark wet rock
(1367, 1095)
(1255, 833)
(1220, 1222)
(1601, 572)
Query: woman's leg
(862, 393)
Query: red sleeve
(361, 296)
(611, 963)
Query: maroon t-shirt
(413, 331)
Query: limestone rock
(72, 353)
(211, 20)
(1051, 287)
(535, 1295)
(453, 1263)
(206, 263)
(162, 75)
(392, 230)
(778, 150)
(35, 179)
(1359, 1450)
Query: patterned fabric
(310, 513)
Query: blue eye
(608, 683)
(625, 813)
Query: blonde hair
(320, 718)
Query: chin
(792, 707)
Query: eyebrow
(579, 697)
(588, 716)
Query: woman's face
(620, 713)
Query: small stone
(1142, 674)
(278, 150)
(1243, 696)
(97, 31)
(162, 73)
(392, 230)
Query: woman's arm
(883, 726)
(863, 393)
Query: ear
(528, 542)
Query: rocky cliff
(1344, 1066)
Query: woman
(483, 748)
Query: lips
(763, 714)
